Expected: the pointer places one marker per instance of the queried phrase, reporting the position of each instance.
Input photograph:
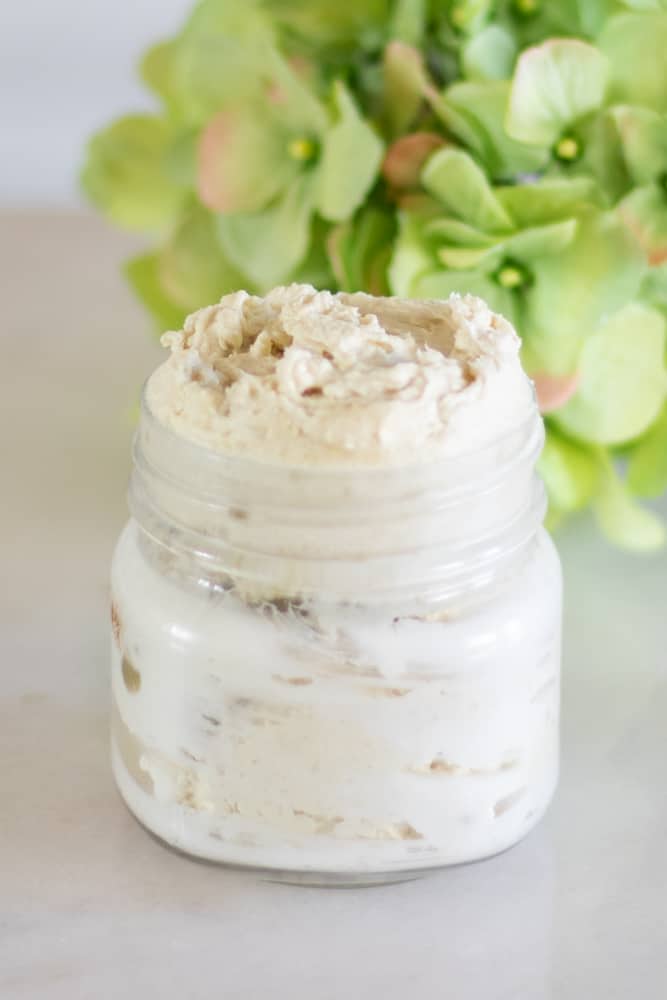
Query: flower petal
(594, 276)
(268, 245)
(644, 212)
(192, 268)
(489, 55)
(635, 45)
(553, 391)
(474, 113)
(351, 157)
(623, 381)
(534, 243)
(243, 160)
(570, 471)
(223, 56)
(142, 273)
(457, 233)
(622, 520)
(548, 200)
(554, 85)
(643, 135)
(647, 468)
(455, 179)
(124, 176)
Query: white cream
(310, 378)
(334, 740)
(336, 662)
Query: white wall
(66, 67)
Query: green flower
(555, 87)
(267, 168)
(525, 161)
(528, 249)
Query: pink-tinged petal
(644, 212)
(243, 161)
(211, 188)
(553, 391)
(405, 158)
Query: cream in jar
(336, 614)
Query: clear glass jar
(337, 676)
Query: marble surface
(92, 907)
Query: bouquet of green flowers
(516, 149)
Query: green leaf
(623, 382)
(622, 520)
(548, 200)
(244, 160)
(643, 135)
(635, 45)
(570, 471)
(455, 179)
(647, 468)
(192, 269)
(351, 157)
(124, 173)
(644, 211)
(267, 246)
(475, 113)
(554, 85)
(489, 55)
(597, 274)
(143, 277)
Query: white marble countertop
(92, 907)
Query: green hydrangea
(516, 149)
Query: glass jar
(336, 675)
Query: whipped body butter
(336, 613)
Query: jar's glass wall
(345, 737)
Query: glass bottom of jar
(138, 803)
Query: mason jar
(336, 675)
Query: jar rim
(223, 467)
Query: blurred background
(66, 68)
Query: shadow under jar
(336, 676)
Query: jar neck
(436, 530)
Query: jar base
(302, 877)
